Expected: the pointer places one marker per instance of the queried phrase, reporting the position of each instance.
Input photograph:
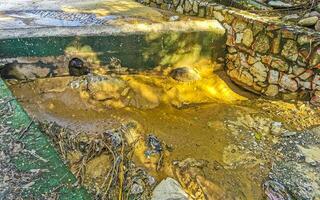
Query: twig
(23, 131)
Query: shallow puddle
(207, 120)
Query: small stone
(188, 6)
(279, 64)
(247, 37)
(259, 71)
(195, 7)
(293, 17)
(307, 74)
(272, 90)
(251, 60)
(176, 2)
(309, 21)
(279, 4)
(266, 59)
(218, 16)
(304, 39)
(239, 37)
(275, 46)
(315, 58)
(297, 70)
(232, 50)
(179, 9)
(262, 43)
(202, 12)
(239, 25)
(273, 77)
(290, 50)
(317, 26)
(313, 13)
(288, 83)
(305, 84)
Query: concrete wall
(263, 55)
(48, 55)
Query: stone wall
(263, 55)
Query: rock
(176, 2)
(288, 83)
(259, 71)
(314, 13)
(272, 90)
(309, 21)
(195, 7)
(179, 9)
(279, 4)
(239, 25)
(174, 18)
(247, 37)
(276, 44)
(246, 78)
(262, 43)
(293, 17)
(239, 37)
(317, 26)
(136, 189)
(279, 64)
(305, 84)
(218, 16)
(290, 50)
(185, 74)
(276, 128)
(273, 77)
(243, 76)
(307, 74)
(311, 154)
(169, 189)
(188, 6)
(76, 67)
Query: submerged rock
(185, 74)
(169, 189)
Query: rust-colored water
(198, 129)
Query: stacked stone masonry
(263, 55)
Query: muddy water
(208, 119)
